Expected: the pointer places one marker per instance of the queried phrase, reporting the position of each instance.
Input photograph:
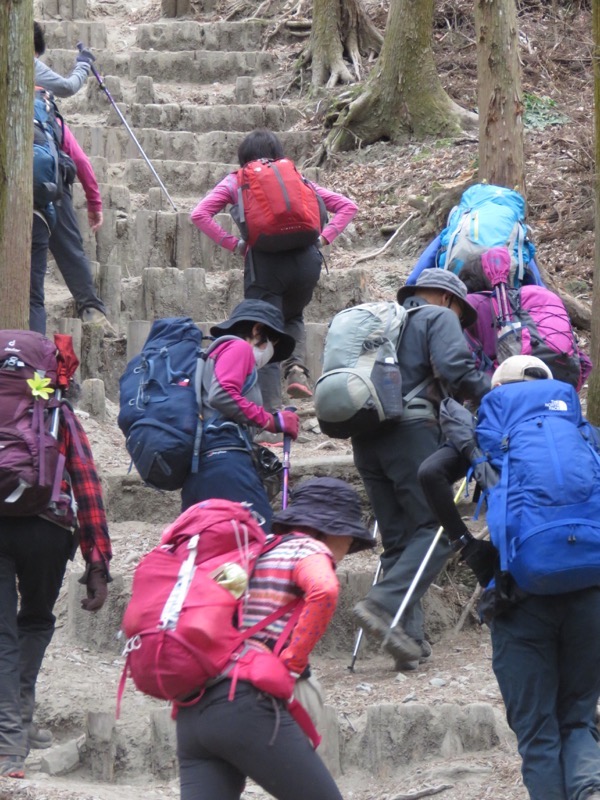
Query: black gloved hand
(481, 557)
(96, 580)
(85, 56)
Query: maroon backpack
(31, 467)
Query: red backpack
(277, 208)
(182, 620)
(31, 467)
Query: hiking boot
(377, 621)
(12, 767)
(401, 665)
(38, 738)
(297, 385)
(93, 316)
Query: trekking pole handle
(93, 70)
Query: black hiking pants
(437, 474)
(286, 280)
(33, 556)
(221, 742)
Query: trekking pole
(360, 634)
(287, 446)
(417, 578)
(104, 88)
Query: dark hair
(39, 40)
(473, 276)
(244, 328)
(261, 143)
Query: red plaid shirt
(94, 540)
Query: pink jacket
(225, 193)
(85, 171)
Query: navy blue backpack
(159, 410)
(544, 513)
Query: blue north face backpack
(544, 514)
(487, 216)
(158, 404)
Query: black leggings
(436, 475)
(221, 742)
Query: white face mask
(262, 355)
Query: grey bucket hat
(445, 281)
(330, 506)
(268, 315)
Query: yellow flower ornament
(40, 387)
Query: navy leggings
(221, 742)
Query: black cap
(270, 316)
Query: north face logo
(557, 405)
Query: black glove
(481, 557)
(96, 579)
(86, 57)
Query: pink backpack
(182, 620)
(531, 320)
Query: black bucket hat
(270, 316)
(446, 281)
(330, 506)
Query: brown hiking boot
(297, 385)
(93, 316)
(377, 621)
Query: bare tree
(403, 94)
(16, 147)
(341, 29)
(499, 96)
(593, 403)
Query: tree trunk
(593, 402)
(340, 28)
(499, 96)
(403, 94)
(16, 158)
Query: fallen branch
(467, 609)
(424, 792)
(381, 250)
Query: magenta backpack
(531, 320)
(186, 605)
(31, 467)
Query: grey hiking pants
(388, 461)
(221, 742)
(66, 245)
(33, 556)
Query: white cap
(520, 368)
